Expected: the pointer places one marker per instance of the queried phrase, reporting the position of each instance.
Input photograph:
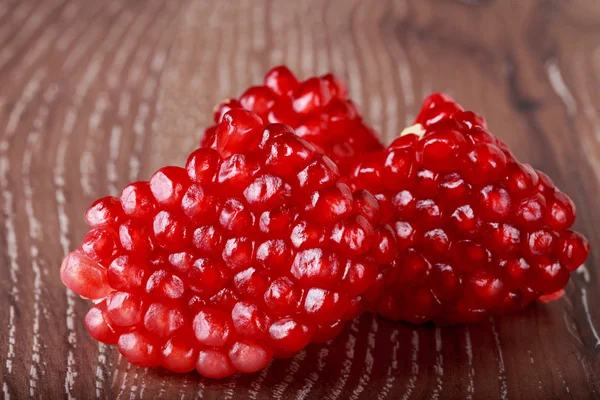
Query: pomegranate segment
(480, 233)
(253, 250)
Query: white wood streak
(162, 390)
(5, 391)
(584, 272)
(258, 42)
(71, 32)
(254, 387)
(143, 383)
(292, 37)
(501, 366)
(29, 92)
(124, 381)
(12, 251)
(83, 45)
(392, 368)
(332, 22)
(133, 387)
(139, 60)
(439, 365)
(347, 362)
(200, 393)
(306, 57)
(321, 38)
(241, 74)
(564, 382)
(571, 327)
(224, 71)
(100, 366)
(124, 104)
(183, 389)
(532, 361)
(313, 377)
(471, 368)
(365, 377)
(230, 386)
(35, 237)
(277, 35)
(290, 372)
(414, 370)
(560, 87)
(139, 129)
(116, 370)
(112, 174)
(259, 35)
(63, 220)
(87, 165)
(588, 314)
(59, 180)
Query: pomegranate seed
(214, 364)
(100, 326)
(84, 276)
(139, 349)
(281, 81)
(104, 211)
(137, 200)
(259, 99)
(179, 355)
(168, 185)
(101, 245)
(239, 130)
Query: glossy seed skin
(253, 250)
(479, 232)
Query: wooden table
(94, 94)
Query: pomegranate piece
(480, 233)
(253, 250)
(318, 109)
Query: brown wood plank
(96, 94)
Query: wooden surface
(94, 94)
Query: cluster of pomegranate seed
(270, 239)
(252, 251)
(318, 109)
(479, 233)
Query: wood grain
(95, 94)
